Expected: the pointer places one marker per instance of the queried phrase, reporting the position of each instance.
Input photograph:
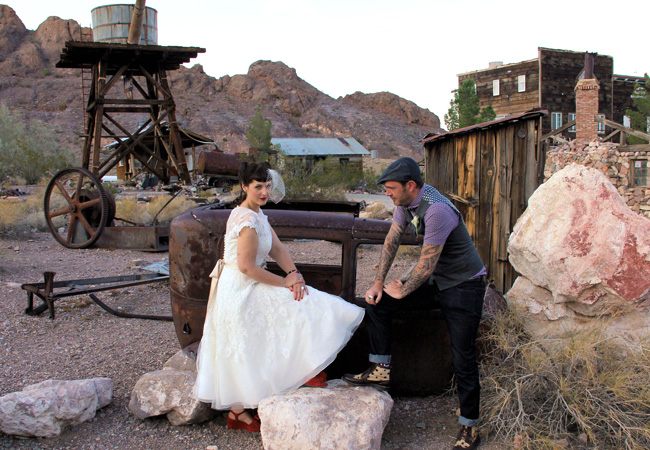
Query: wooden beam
(125, 101)
(618, 126)
(559, 130)
(611, 135)
(634, 148)
(113, 80)
(471, 202)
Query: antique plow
(49, 291)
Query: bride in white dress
(264, 334)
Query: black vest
(459, 260)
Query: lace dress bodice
(243, 217)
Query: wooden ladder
(85, 35)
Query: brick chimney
(587, 103)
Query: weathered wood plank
(531, 182)
(485, 241)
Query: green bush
(325, 179)
(28, 151)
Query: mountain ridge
(220, 108)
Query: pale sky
(412, 48)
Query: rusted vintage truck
(421, 356)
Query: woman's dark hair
(249, 172)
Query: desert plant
(22, 217)
(28, 152)
(259, 131)
(129, 208)
(588, 386)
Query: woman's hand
(293, 278)
(299, 291)
(296, 283)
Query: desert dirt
(84, 341)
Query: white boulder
(334, 418)
(169, 391)
(46, 409)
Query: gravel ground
(83, 341)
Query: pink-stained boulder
(583, 252)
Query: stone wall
(607, 158)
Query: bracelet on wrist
(292, 271)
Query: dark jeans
(461, 308)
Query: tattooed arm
(419, 275)
(391, 244)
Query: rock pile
(605, 157)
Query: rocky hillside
(219, 108)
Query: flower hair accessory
(277, 186)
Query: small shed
(344, 150)
(489, 171)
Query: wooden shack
(489, 171)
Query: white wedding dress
(257, 340)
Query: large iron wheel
(76, 207)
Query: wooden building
(489, 171)
(548, 82)
(344, 150)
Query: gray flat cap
(403, 170)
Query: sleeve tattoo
(391, 244)
(423, 269)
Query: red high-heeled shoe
(238, 424)
(318, 381)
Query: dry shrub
(23, 216)
(144, 213)
(535, 396)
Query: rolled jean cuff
(379, 359)
(467, 422)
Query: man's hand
(373, 295)
(394, 289)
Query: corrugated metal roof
(513, 118)
(319, 146)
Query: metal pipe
(135, 30)
(125, 315)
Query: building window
(601, 126)
(572, 116)
(495, 87)
(521, 83)
(640, 173)
(556, 120)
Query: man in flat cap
(448, 275)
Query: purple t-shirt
(439, 221)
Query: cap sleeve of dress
(241, 218)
